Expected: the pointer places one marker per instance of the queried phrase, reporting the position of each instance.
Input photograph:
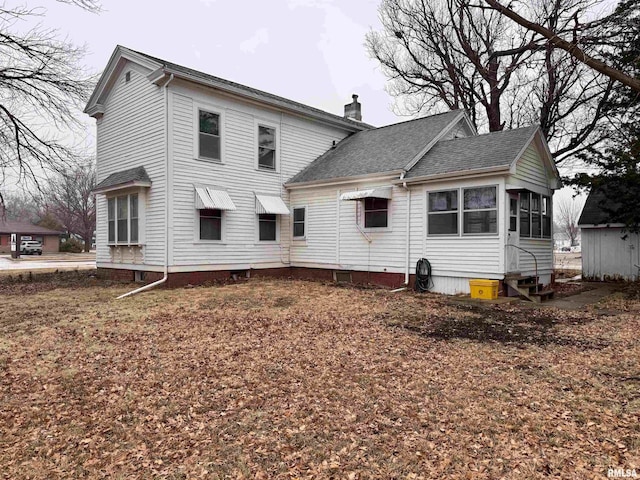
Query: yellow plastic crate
(484, 289)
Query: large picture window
(443, 213)
(266, 147)
(376, 212)
(123, 219)
(480, 210)
(209, 135)
(210, 224)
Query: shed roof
(491, 150)
(379, 150)
(24, 228)
(123, 178)
(594, 210)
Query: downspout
(166, 196)
(408, 226)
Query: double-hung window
(376, 212)
(443, 213)
(480, 210)
(210, 224)
(209, 135)
(266, 147)
(267, 226)
(299, 222)
(122, 219)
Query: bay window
(122, 219)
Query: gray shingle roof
(24, 228)
(380, 150)
(594, 212)
(136, 174)
(205, 77)
(472, 153)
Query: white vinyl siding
(610, 254)
(130, 134)
(298, 142)
(530, 167)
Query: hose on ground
(423, 276)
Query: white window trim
(257, 231)
(306, 222)
(361, 217)
(258, 122)
(211, 108)
(463, 211)
(141, 218)
(541, 238)
(223, 229)
(458, 212)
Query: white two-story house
(200, 178)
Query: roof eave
(326, 118)
(341, 180)
(457, 174)
(121, 186)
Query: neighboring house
(608, 251)
(201, 178)
(50, 239)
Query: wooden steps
(529, 287)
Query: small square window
(376, 212)
(443, 213)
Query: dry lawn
(284, 379)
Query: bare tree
(449, 54)
(572, 47)
(567, 215)
(21, 206)
(42, 86)
(69, 198)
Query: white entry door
(513, 234)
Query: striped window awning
(212, 199)
(378, 192)
(271, 204)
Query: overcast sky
(311, 51)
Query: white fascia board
(240, 92)
(479, 172)
(393, 175)
(121, 186)
(118, 54)
(601, 225)
(430, 145)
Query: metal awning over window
(212, 199)
(378, 192)
(270, 204)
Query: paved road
(58, 261)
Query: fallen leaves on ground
(288, 379)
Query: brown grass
(282, 379)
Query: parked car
(30, 247)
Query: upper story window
(122, 219)
(209, 135)
(480, 210)
(376, 212)
(443, 213)
(266, 147)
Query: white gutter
(166, 209)
(408, 226)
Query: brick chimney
(353, 110)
